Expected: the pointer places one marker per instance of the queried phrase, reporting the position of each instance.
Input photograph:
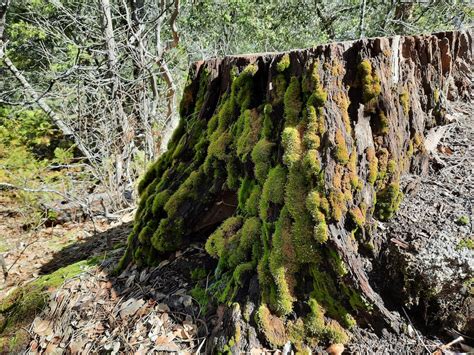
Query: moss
(273, 189)
(338, 204)
(250, 133)
(291, 141)
(463, 220)
(169, 234)
(405, 101)
(283, 63)
(370, 81)
(20, 306)
(311, 162)
(261, 157)
(267, 129)
(335, 333)
(160, 200)
(357, 216)
(388, 201)
(383, 157)
(314, 321)
(373, 165)
(341, 154)
(278, 89)
(292, 102)
(321, 232)
(198, 274)
(216, 243)
(252, 202)
(187, 192)
(467, 243)
(383, 122)
(272, 327)
(201, 297)
(343, 103)
(281, 263)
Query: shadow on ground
(98, 245)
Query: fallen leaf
(42, 327)
(130, 307)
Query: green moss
(341, 154)
(271, 326)
(463, 220)
(384, 123)
(250, 133)
(335, 333)
(283, 63)
(160, 200)
(338, 204)
(467, 243)
(278, 89)
(358, 217)
(201, 297)
(292, 102)
(216, 243)
(20, 306)
(169, 234)
(405, 101)
(311, 162)
(198, 274)
(291, 141)
(370, 81)
(321, 232)
(267, 129)
(273, 190)
(388, 201)
(261, 157)
(314, 321)
(252, 202)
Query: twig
(416, 332)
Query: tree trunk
(289, 160)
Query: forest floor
(62, 295)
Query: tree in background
(108, 73)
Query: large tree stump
(285, 160)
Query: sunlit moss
(250, 133)
(311, 162)
(215, 244)
(357, 216)
(388, 201)
(283, 63)
(261, 157)
(384, 123)
(370, 81)
(405, 101)
(373, 165)
(273, 328)
(292, 102)
(273, 189)
(338, 204)
(341, 153)
(335, 333)
(291, 142)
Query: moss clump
(321, 232)
(373, 165)
(314, 321)
(292, 102)
(272, 327)
(283, 63)
(273, 190)
(388, 201)
(342, 102)
(341, 154)
(370, 81)
(159, 201)
(20, 306)
(338, 204)
(291, 141)
(463, 220)
(261, 157)
(405, 101)
(383, 122)
(252, 202)
(278, 89)
(311, 162)
(201, 297)
(467, 243)
(335, 333)
(216, 243)
(250, 133)
(358, 216)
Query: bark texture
(286, 160)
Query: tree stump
(284, 162)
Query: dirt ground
(162, 309)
